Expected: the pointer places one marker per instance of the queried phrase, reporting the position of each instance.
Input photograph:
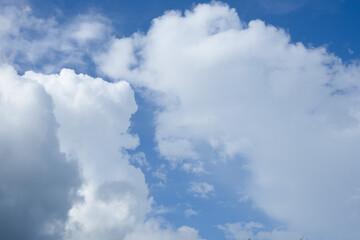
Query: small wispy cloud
(139, 160)
(244, 198)
(255, 230)
(201, 189)
(190, 212)
(161, 174)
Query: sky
(175, 120)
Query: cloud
(59, 126)
(118, 58)
(200, 189)
(226, 90)
(139, 160)
(44, 44)
(252, 230)
(229, 90)
(94, 118)
(190, 212)
(85, 29)
(161, 174)
(70, 117)
(37, 181)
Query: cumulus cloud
(226, 90)
(233, 90)
(118, 58)
(200, 189)
(94, 118)
(57, 127)
(37, 182)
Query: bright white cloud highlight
(227, 89)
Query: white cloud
(62, 119)
(222, 86)
(231, 90)
(36, 179)
(118, 58)
(252, 230)
(94, 118)
(200, 189)
(85, 29)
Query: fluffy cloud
(55, 127)
(230, 90)
(94, 118)
(226, 90)
(37, 182)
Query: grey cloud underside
(36, 180)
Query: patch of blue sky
(172, 198)
(330, 23)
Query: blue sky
(317, 23)
(179, 120)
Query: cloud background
(238, 108)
